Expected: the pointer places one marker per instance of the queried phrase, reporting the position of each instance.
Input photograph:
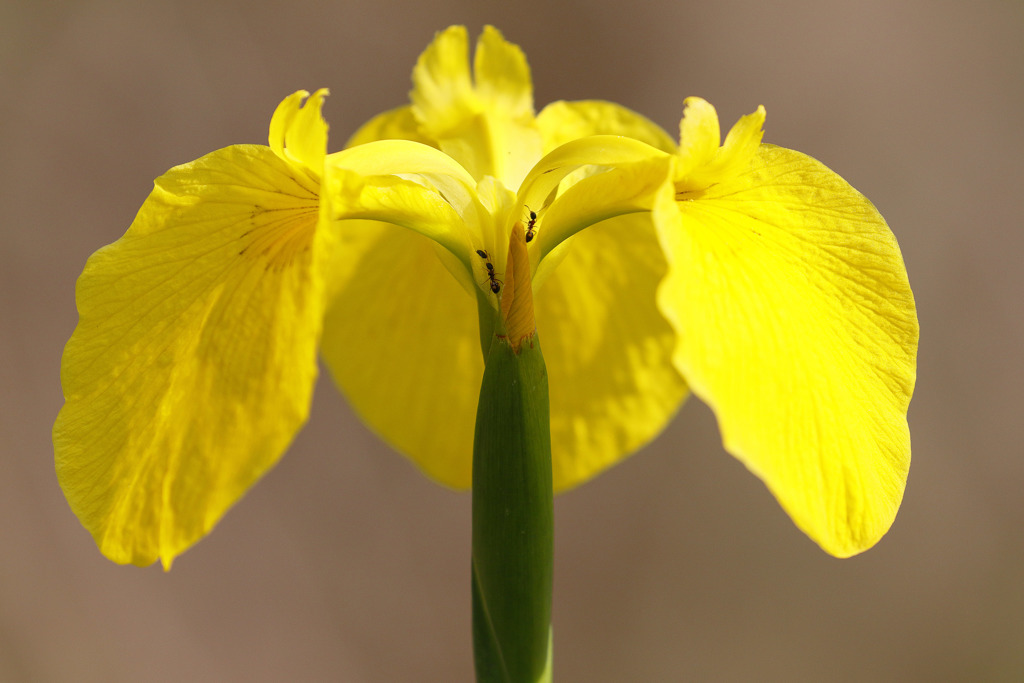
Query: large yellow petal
(797, 326)
(402, 343)
(193, 362)
(607, 347)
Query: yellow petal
(699, 133)
(503, 81)
(396, 124)
(193, 362)
(702, 163)
(402, 343)
(625, 176)
(797, 326)
(607, 347)
(442, 96)
(489, 126)
(298, 133)
(627, 188)
(407, 184)
(561, 122)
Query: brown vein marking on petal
(279, 236)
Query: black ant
(495, 282)
(530, 229)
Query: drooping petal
(608, 348)
(487, 126)
(402, 343)
(193, 362)
(561, 122)
(796, 324)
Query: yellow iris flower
(751, 273)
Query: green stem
(513, 518)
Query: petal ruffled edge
(402, 343)
(298, 132)
(702, 162)
(487, 126)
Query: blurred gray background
(344, 563)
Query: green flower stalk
(749, 274)
(513, 506)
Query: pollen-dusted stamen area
(279, 235)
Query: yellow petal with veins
(796, 324)
(193, 362)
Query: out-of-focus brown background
(345, 563)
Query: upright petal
(796, 324)
(699, 135)
(298, 133)
(503, 80)
(193, 362)
(702, 162)
(443, 98)
(488, 125)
